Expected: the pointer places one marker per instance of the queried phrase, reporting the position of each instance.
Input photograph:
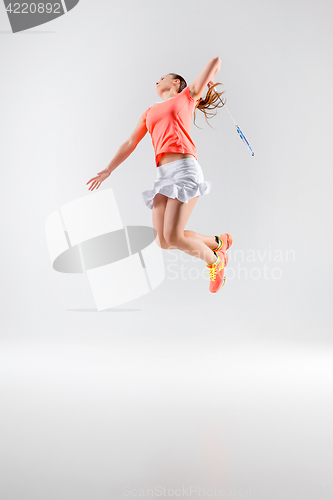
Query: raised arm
(198, 86)
(123, 152)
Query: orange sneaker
(225, 242)
(216, 271)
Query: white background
(180, 387)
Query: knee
(162, 243)
(172, 239)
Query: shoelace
(212, 272)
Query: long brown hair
(209, 101)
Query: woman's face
(166, 83)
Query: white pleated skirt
(182, 179)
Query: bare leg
(175, 218)
(195, 247)
(210, 241)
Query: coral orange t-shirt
(169, 124)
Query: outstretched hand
(97, 181)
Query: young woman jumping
(180, 180)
